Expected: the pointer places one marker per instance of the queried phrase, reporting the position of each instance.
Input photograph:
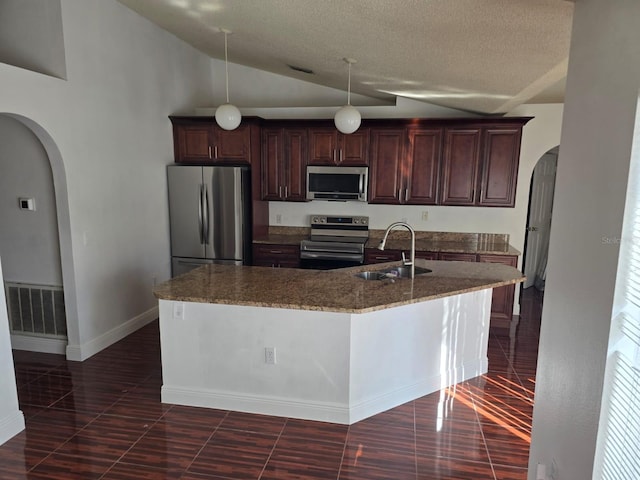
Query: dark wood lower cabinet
(457, 257)
(502, 299)
(277, 256)
(373, 255)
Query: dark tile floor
(102, 419)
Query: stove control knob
(356, 220)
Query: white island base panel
(333, 367)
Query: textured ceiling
(485, 56)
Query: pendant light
(347, 119)
(227, 116)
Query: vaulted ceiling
(484, 56)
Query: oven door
(330, 255)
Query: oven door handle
(331, 256)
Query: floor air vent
(36, 310)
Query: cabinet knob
(209, 151)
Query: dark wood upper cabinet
(385, 176)
(422, 162)
(201, 140)
(327, 146)
(283, 164)
(501, 154)
(460, 166)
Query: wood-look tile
(509, 473)
(107, 437)
(362, 462)
(194, 416)
(321, 431)
(51, 428)
(87, 401)
(168, 446)
(458, 440)
(234, 454)
(400, 416)
(388, 437)
(439, 407)
(442, 468)
(17, 457)
(309, 459)
(140, 406)
(514, 452)
(63, 467)
(122, 471)
(250, 422)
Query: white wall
(11, 418)
(28, 239)
(109, 122)
(593, 165)
(31, 36)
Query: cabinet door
(457, 257)
(460, 166)
(323, 145)
(502, 297)
(274, 255)
(232, 146)
(353, 149)
(427, 255)
(387, 150)
(192, 143)
(500, 158)
(272, 164)
(295, 154)
(373, 255)
(423, 160)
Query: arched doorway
(539, 220)
(64, 236)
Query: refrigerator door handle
(200, 223)
(206, 215)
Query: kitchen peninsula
(323, 345)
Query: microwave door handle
(361, 185)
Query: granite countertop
(331, 290)
(475, 243)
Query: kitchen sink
(394, 272)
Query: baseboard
(380, 403)
(279, 407)
(34, 343)
(11, 425)
(322, 412)
(79, 353)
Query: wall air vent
(36, 310)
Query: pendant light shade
(348, 118)
(228, 116)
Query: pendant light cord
(226, 65)
(349, 86)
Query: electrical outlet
(425, 215)
(270, 355)
(278, 218)
(154, 280)
(178, 311)
(541, 472)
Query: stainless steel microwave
(337, 183)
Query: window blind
(618, 449)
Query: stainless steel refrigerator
(209, 215)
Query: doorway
(36, 239)
(541, 193)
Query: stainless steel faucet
(412, 260)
